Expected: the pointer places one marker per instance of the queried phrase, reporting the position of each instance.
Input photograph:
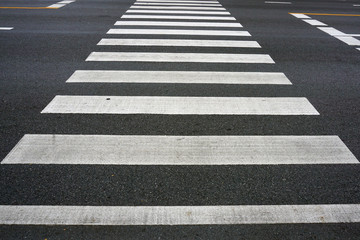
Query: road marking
(329, 14)
(185, 77)
(297, 15)
(179, 32)
(314, 22)
(179, 24)
(358, 49)
(180, 105)
(28, 8)
(179, 215)
(354, 35)
(179, 57)
(178, 12)
(179, 17)
(179, 150)
(6, 28)
(177, 42)
(176, 1)
(61, 4)
(271, 2)
(341, 36)
(178, 4)
(178, 7)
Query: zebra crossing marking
(180, 105)
(179, 57)
(179, 8)
(179, 150)
(179, 12)
(176, 4)
(179, 215)
(141, 16)
(180, 32)
(177, 24)
(188, 77)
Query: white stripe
(332, 31)
(179, 32)
(179, 150)
(177, 4)
(349, 40)
(314, 22)
(57, 5)
(6, 28)
(178, 7)
(66, 1)
(180, 105)
(358, 49)
(178, 42)
(354, 35)
(179, 215)
(180, 24)
(271, 2)
(179, 17)
(178, 12)
(177, 1)
(100, 76)
(179, 57)
(298, 15)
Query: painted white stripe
(178, 7)
(179, 17)
(178, 42)
(332, 31)
(178, 4)
(314, 22)
(179, 57)
(101, 76)
(298, 15)
(178, 24)
(178, 12)
(179, 32)
(180, 105)
(66, 1)
(354, 35)
(271, 2)
(349, 40)
(358, 49)
(56, 5)
(356, 5)
(6, 28)
(177, 1)
(179, 215)
(179, 150)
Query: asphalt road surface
(186, 119)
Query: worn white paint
(179, 12)
(178, 7)
(179, 215)
(180, 105)
(272, 2)
(178, 24)
(127, 16)
(349, 40)
(179, 150)
(177, 1)
(179, 57)
(314, 22)
(177, 4)
(332, 31)
(6, 28)
(299, 15)
(185, 77)
(179, 32)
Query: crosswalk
(151, 17)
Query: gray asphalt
(47, 46)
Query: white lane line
(177, 24)
(61, 4)
(177, 42)
(314, 22)
(179, 57)
(178, 7)
(358, 49)
(177, 1)
(354, 35)
(356, 5)
(298, 15)
(178, 4)
(178, 215)
(341, 36)
(6, 28)
(179, 32)
(180, 105)
(178, 17)
(179, 150)
(272, 2)
(179, 12)
(185, 77)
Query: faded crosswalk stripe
(179, 7)
(177, 24)
(179, 12)
(178, 17)
(180, 105)
(179, 32)
(179, 150)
